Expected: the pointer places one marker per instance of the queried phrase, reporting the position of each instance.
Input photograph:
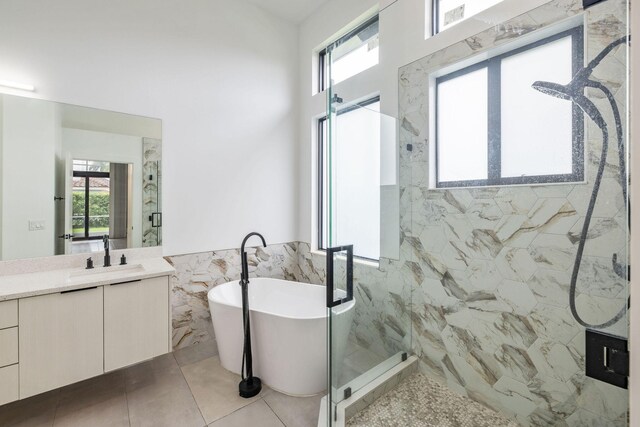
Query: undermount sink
(106, 271)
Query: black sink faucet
(244, 276)
(107, 257)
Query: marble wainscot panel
(382, 321)
(197, 273)
(491, 315)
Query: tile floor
(186, 388)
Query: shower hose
(620, 270)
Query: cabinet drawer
(9, 384)
(8, 346)
(8, 314)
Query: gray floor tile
(99, 401)
(256, 414)
(158, 395)
(215, 389)
(195, 353)
(295, 411)
(154, 371)
(36, 411)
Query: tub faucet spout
(244, 276)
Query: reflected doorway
(100, 205)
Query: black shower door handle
(331, 302)
(156, 219)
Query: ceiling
(292, 10)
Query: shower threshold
(369, 386)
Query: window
(447, 13)
(349, 180)
(91, 202)
(350, 54)
(493, 128)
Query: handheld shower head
(574, 91)
(553, 89)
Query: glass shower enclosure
(500, 211)
(369, 296)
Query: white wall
(402, 40)
(29, 131)
(222, 75)
(110, 147)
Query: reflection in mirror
(71, 175)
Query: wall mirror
(71, 175)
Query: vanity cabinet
(61, 339)
(80, 324)
(9, 373)
(136, 321)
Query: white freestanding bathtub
(288, 332)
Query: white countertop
(53, 281)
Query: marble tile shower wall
(491, 313)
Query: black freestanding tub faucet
(250, 385)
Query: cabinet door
(136, 321)
(61, 339)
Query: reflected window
(91, 199)
(349, 180)
(351, 54)
(493, 128)
(447, 13)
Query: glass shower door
(369, 291)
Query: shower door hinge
(607, 358)
(589, 3)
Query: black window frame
(435, 17)
(86, 176)
(321, 174)
(322, 55)
(494, 118)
